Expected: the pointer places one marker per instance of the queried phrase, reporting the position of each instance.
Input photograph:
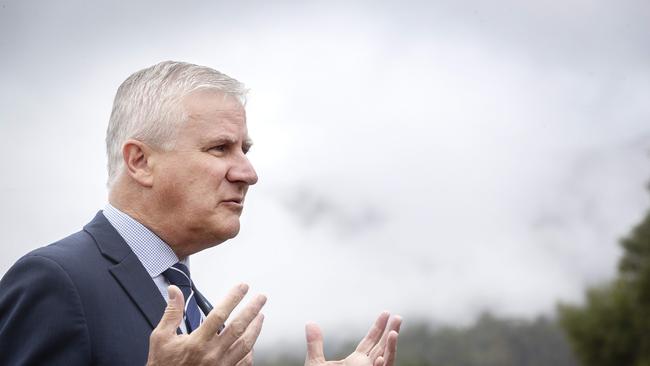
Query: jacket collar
(127, 269)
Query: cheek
(178, 188)
(203, 186)
(194, 184)
(211, 176)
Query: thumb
(314, 344)
(173, 315)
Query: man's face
(201, 183)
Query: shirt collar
(154, 254)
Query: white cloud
(493, 156)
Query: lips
(236, 200)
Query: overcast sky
(435, 159)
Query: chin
(227, 232)
(233, 233)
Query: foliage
(612, 328)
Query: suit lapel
(127, 271)
(140, 287)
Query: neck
(147, 207)
(138, 205)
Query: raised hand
(377, 348)
(207, 345)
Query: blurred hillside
(491, 341)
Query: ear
(137, 160)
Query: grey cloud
(492, 153)
(311, 208)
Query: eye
(220, 148)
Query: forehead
(202, 104)
(212, 113)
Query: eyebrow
(247, 143)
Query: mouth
(234, 201)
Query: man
(178, 176)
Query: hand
(233, 346)
(378, 348)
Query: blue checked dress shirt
(154, 254)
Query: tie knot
(178, 275)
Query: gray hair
(147, 106)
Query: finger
(244, 345)
(379, 349)
(396, 324)
(391, 348)
(246, 361)
(314, 337)
(217, 317)
(241, 322)
(374, 334)
(173, 315)
(379, 361)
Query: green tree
(613, 327)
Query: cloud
(433, 158)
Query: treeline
(490, 341)
(613, 327)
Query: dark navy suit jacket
(84, 300)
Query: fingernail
(172, 295)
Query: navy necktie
(179, 275)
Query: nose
(242, 171)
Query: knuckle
(242, 347)
(219, 314)
(238, 328)
(156, 336)
(247, 344)
(171, 310)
